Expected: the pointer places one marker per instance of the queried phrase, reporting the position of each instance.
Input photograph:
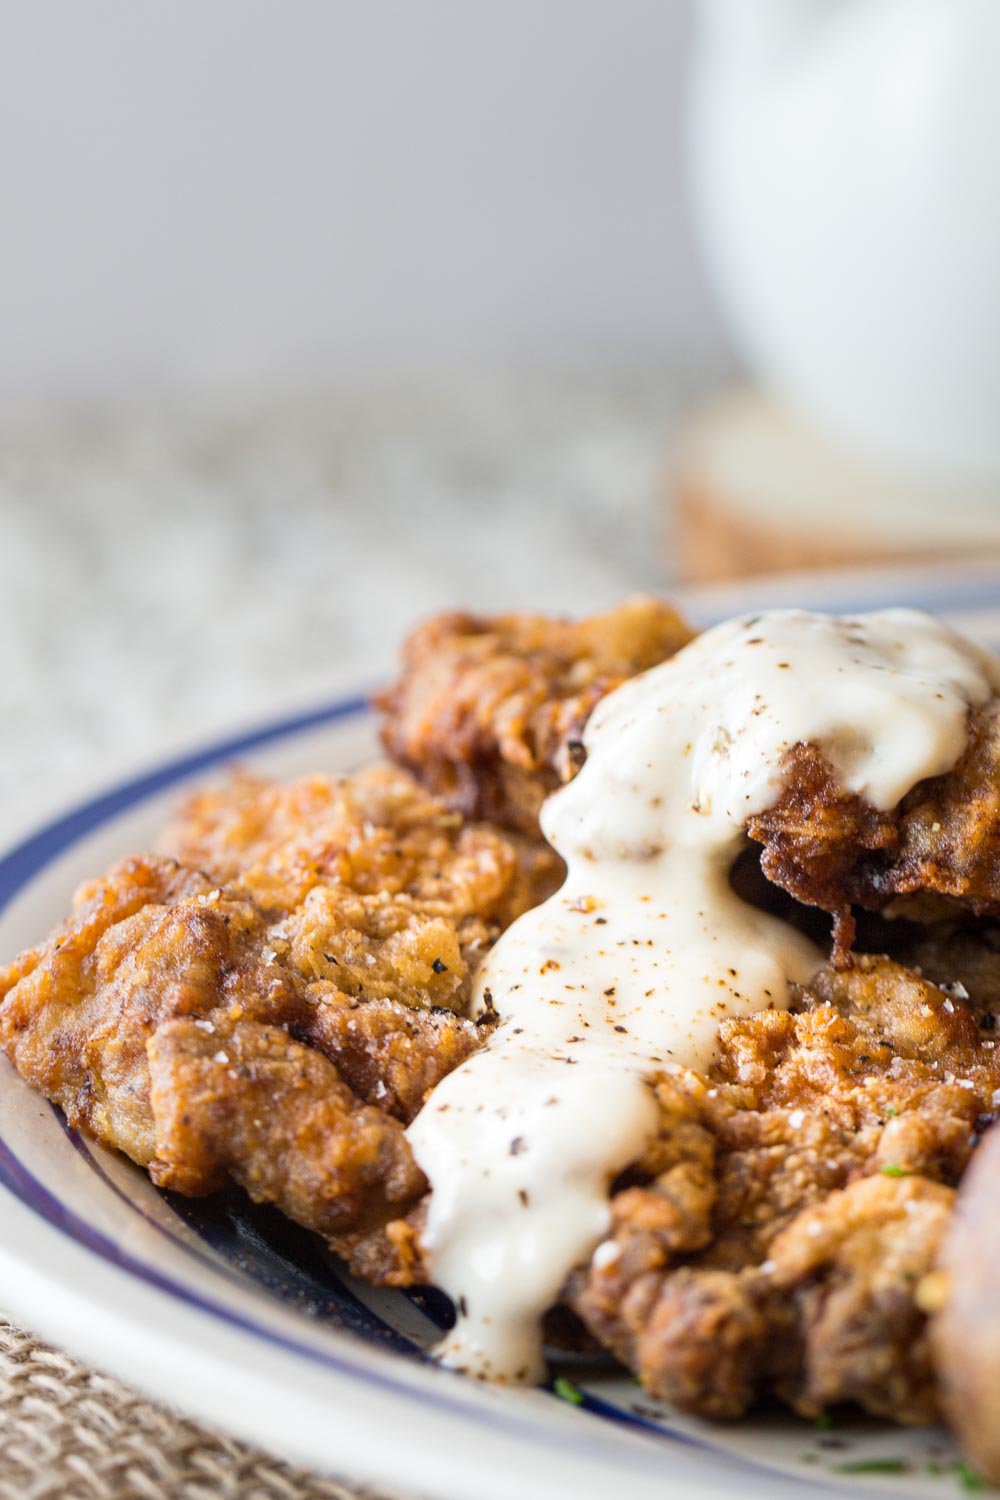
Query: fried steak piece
(271, 999)
(488, 712)
(779, 1243)
(275, 1007)
(781, 1233)
(938, 851)
(379, 837)
(805, 1188)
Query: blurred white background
(317, 316)
(203, 192)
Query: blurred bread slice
(757, 490)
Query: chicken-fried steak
(271, 998)
(377, 835)
(832, 850)
(779, 1244)
(489, 712)
(327, 983)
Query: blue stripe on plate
(31, 856)
(258, 1245)
(286, 1261)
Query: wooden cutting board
(755, 489)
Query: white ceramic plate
(240, 1319)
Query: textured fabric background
(175, 570)
(68, 1433)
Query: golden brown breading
(333, 972)
(170, 1010)
(489, 712)
(150, 942)
(849, 1270)
(273, 999)
(160, 968)
(830, 1317)
(830, 849)
(800, 1193)
(377, 834)
(962, 956)
(873, 1037)
(773, 1239)
(245, 1100)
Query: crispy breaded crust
(271, 1000)
(246, 1101)
(329, 979)
(941, 845)
(489, 712)
(377, 834)
(803, 1192)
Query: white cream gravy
(627, 971)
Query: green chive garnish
(567, 1391)
(875, 1466)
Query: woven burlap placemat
(68, 1433)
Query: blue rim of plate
(31, 856)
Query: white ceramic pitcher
(846, 170)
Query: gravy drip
(628, 970)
